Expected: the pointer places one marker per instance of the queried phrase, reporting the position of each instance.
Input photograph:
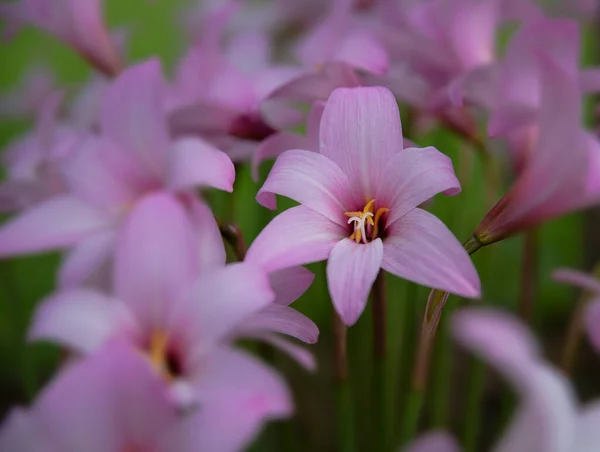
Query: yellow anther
(378, 215)
(158, 352)
(358, 236)
(363, 218)
(369, 206)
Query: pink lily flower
(180, 322)
(132, 157)
(562, 173)
(78, 23)
(218, 90)
(592, 285)
(33, 161)
(338, 52)
(548, 418)
(359, 196)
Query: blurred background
(572, 241)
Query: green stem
(472, 423)
(407, 348)
(529, 275)
(345, 410)
(441, 376)
(411, 415)
(381, 389)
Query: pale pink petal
(194, 162)
(238, 395)
(351, 270)
(590, 80)
(211, 249)
(217, 303)
(249, 52)
(131, 406)
(579, 279)
(59, 222)
(203, 118)
(82, 320)
(545, 417)
(156, 257)
(420, 248)
(290, 283)
(508, 118)
(313, 125)
(82, 260)
(361, 50)
(133, 115)
(93, 174)
(271, 78)
(297, 236)
(592, 323)
(587, 433)
(19, 433)
(281, 319)
(274, 145)
(434, 442)
(24, 100)
(312, 180)
(361, 131)
(297, 352)
(414, 176)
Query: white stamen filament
(359, 223)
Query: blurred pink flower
(548, 418)
(181, 322)
(28, 97)
(359, 196)
(105, 177)
(562, 172)
(218, 88)
(433, 442)
(592, 285)
(78, 23)
(337, 52)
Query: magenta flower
(359, 196)
(78, 23)
(592, 285)
(218, 89)
(562, 173)
(548, 418)
(183, 324)
(132, 157)
(337, 52)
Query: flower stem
(529, 275)
(345, 411)
(442, 374)
(476, 375)
(381, 386)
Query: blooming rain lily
(79, 23)
(359, 196)
(181, 322)
(132, 156)
(592, 286)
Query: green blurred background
(25, 368)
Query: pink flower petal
(281, 319)
(351, 270)
(217, 303)
(195, 162)
(290, 283)
(19, 433)
(361, 50)
(545, 417)
(133, 115)
(312, 180)
(82, 320)
(434, 442)
(59, 222)
(413, 177)
(211, 249)
(238, 395)
(297, 352)
(587, 434)
(361, 131)
(81, 261)
(274, 145)
(579, 279)
(156, 257)
(592, 323)
(590, 80)
(131, 406)
(420, 248)
(297, 236)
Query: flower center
(163, 358)
(366, 222)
